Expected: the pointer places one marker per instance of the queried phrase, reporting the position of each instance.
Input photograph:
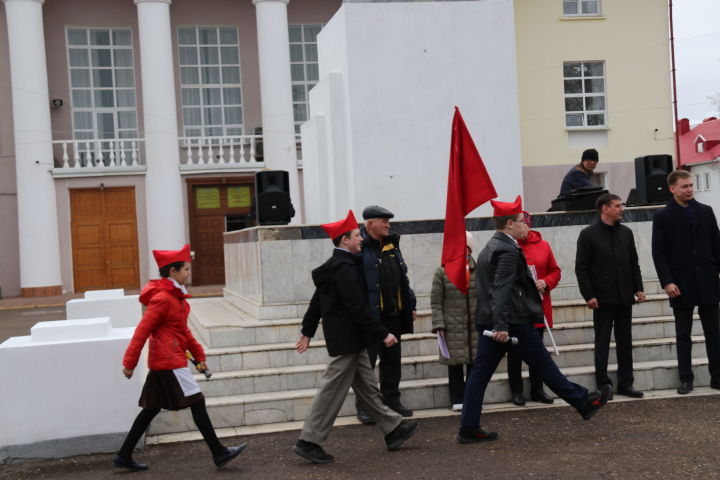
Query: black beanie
(590, 154)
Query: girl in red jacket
(538, 254)
(169, 384)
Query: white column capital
(138, 2)
(26, 1)
(255, 2)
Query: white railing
(87, 155)
(241, 151)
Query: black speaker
(651, 173)
(272, 191)
(581, 199)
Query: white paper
(442, 345)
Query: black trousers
(514, 367)
(604, 318)
(390, 367)
(457, 375)
(709, 315)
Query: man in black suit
(509, 303)
(686, 252)
(608, 274)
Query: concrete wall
(631, 38)
(387, 117)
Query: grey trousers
(342, 372)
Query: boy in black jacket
(340, 298)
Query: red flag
(469, 186)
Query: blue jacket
(575, 179)
(687, 254)
(371, 269)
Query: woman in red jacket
(169, 384)
(538, 254)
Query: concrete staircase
(260, 381)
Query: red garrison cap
(504, 209)
(335, 229)
(166, 257)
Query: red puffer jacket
(165, 322)
(538, 252)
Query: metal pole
(674, 86)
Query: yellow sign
(207, 197)
(239, 196)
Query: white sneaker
(457, 407)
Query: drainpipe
(674, 86)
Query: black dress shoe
(364, 418)
(312, 452)
(595, 401)
(478, 435)
(630, 392)
(401, 409)
(232, 452)
(541, 396)
(402, 432)
(518, 399)
(685, 388)
(128, 463)
(715, 384)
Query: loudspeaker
(581, 199)
(651, 173)
(272, 191)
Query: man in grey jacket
(509, 304)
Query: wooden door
(216, 206)
(104, 238)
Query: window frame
(204, 129)
(579, 4)
(306, 65)
(583, 95)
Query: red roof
(706, 133)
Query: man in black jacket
(686, 252)
(608, 273)
(392, 302)
(509, 302)
(340, 299)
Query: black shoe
(541, 396)
(128, 463)
(312, 452)
(401, 433)
(478, 435)
(715, 384)
(595, 401)
(685, 388)
(401, 409)
(364, 418)
(518, 399)
(232, 452)
(630, 392)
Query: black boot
(540, 396)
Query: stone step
(293, 405)
(281, 378)
(568, 333)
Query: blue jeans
(532, 351)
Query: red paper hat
(166, 257)
(336, 229)
(505, 209)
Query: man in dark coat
(686, 252)
(340, 299)
(608, 273)
(579, 175)
(392, 302)
(509, 303)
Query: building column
(276, 93)
(40, 271)
(164, 200)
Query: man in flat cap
(392, 301)
(509, 305)
(579, 175)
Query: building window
(584, 84)
(102, 84)
(581, 8)
(303, 68)
(210, 81)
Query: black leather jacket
(506, 292)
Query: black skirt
(170, 389)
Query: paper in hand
(442, 345)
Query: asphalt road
(17, 322)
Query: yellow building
(591, 74)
